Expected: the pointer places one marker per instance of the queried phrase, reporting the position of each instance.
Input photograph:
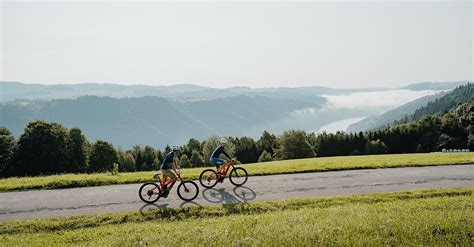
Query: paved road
(102, 199)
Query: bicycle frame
(170, 185)
(227, 165)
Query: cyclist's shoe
(220, 177)
(165, 191)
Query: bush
(196, 159)
(375, 147)
(265, 156)
(184, 161)
(115, 169)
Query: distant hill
(153, 120)
(435, 85)
(429, 105)
(15, 90)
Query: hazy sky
(342, 44)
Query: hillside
(446, 103)
(385, 119)
(152, 120)
(429, 105)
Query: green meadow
(439, 217)
(256, 169)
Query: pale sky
(266, 44)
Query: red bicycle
(238, 176)
(150, 192)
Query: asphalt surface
(114, 198)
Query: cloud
(379, 100)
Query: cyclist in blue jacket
(218, 162)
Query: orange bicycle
(150, 192)
(238, 176)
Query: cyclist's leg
(171, 177)
(217, 162)
(219, 165)
(165, 179)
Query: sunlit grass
(267, 168)
(428, 217)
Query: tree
(79, 151)
(246, 150)
(429, 128)
(375, 147)
(103, 156)
(266, 142)
(148, 158)
(209, 145)
(194, 144)
(43, 148)
(264, 157)
(294, 145)
(129, 162)
(196, 159)
(7, 147)
(184, 161)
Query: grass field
(268, 168)
(428, 217)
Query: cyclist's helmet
(223, 141)
(175, 148)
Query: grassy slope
(276, 167)
(428, 217)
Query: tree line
(50, 148)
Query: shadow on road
(238, 195)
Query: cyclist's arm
(226, 154)
(174, 165)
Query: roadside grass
(421, 217)
(267, 168)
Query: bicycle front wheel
(238, 176)
(149, 192)
(188, 190)
(208, 178)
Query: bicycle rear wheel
(208, 178)
(238, 176)
(188, 190)
(149, 192)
